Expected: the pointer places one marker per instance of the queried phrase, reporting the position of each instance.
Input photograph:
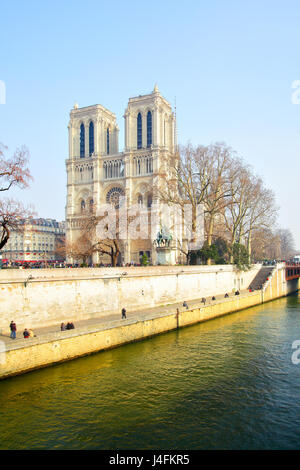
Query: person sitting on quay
(213, 298)
(237, 293)
(63, 327)
(185, 305)
(26, 333)
(203, 301)
(123, 312)
(226, 295)
(70, 326)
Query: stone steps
(261, 277)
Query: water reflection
(227, 383)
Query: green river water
(229, 383)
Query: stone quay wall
(53, 348)
(43, 297)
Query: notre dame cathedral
(97, 173)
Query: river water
(229, 383)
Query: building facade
(36, 241)
(97, 173)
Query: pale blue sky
(230, 66)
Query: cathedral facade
(97, 173)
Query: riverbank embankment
(52, 346)
(45, 297)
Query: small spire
(155, 90)
(176, 130)
(76, 105)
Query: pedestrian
(123, 312)
(203, 300)
(213, 298)
(13, 329)
(26, 333)
(226, 295)
(185, 305)
(62, 327)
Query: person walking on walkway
(123, 312)
(13, 329)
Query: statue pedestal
(165, 256)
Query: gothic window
(107, 141)
(113, 196)
(122, 168)
(91, 138)
(91, 205)
(113, 169)
(82, 206)
(82, 141)
(139, 131)
(149, 129)
(140, 199)
(149, 165)
(149, 201)
(105, 165)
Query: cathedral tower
(97, 172)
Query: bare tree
(265, 245)
(89, 242)
(240, 187)
(219, 161)
(287, 243)
(185, 188)
(60, 248)
(13, 172)
(82, 248)
(262, 211)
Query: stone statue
(164, 237)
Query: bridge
(292, 270)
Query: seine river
(225, 384)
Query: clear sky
(230, 66)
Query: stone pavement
(111, 320)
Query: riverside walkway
(109, 321)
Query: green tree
(240, 256)
(144, 260)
